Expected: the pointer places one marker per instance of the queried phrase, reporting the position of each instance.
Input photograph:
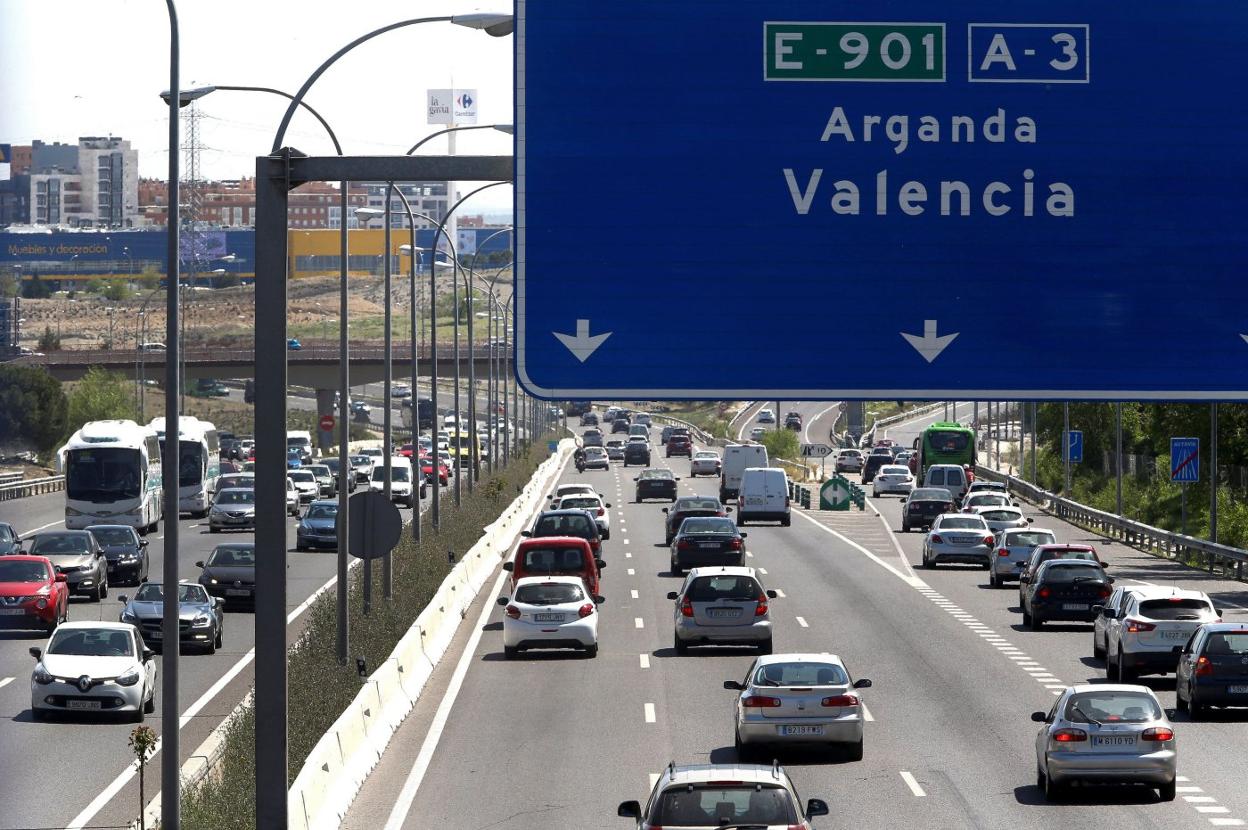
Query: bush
(33, 409)
(101, 396)
(781, 443)
(49, 341)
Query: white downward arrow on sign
(582, 344)
(929, 345)
(1245, 336)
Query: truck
(737, 457)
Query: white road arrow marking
(929, 345)
(582, 344)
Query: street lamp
(502, 128)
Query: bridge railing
(31, 487)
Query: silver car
(1013, 550)
(958, 537)
(596, 459)
(704, 463)
(1002, 518)
(798, 699)
(723, 795)
(1105, 733)
(722, 606)
(233, 509)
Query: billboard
(453, 106)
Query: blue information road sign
(700, 189)
(1185, 459)
(1074, 446)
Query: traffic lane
(905, 432)
(45, 511)
(819, 427)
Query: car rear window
(711, 588)
(962, 523)
(571, 525)
(931, 494)
(1073, 571)
(986, 499)
(1112, 707)
(1000, 515)
(550, 593)
(578, 503)
(647, 475)
(1029, 539)
(801, 674)
(1175, 608)
(697, 504)
(706, 525)
(554, 560)
(1230, 642)
(717, 805)
(1062, 553)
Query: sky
(70, 68)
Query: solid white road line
(645, 660)
(912, 783)
(6, 681)
(649, 713)
(44, 527)
(818, 415)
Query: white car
(757, 433)
(97, 667)
(892, 478)
(1002, 518)
(766, 416)
(981, 499)
(569, 489)
(704, 463)
(292, 497)
(550, 612)
(1140, 636)
(1100, 626)
(982, 486)
(592, 504)
(305, 482)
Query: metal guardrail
(1217, 559)
(9, 478)
(31, 487)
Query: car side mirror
(526, 533)
(734, 686)
(629, 809)
(1030, 520)
(771, 594)
(729, 510)
(199, 564)
(1024, 579)
(607, 504)
(665, 510)
(673, 595)
(1098, 609)
(1039, 717)
(1170, 713)
(36, 652)
(1110, 614)
(142, 543)
(1110, 580)
(862, 683)
(678, 478)
(509, 566)
(219, 602)
(504, 600)
(743, 535)
(123, 599)
(1179, 650)
(601, 563)
(1218, 611)
(816, 807)
(148, 654)
(599, 599)
(61, 578)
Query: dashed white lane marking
(1188, 790)
(645, 660)
(1199, 799)
(866, 714)
(638, 622)
(912, 783)
(762, 571)
(1226, 822)
(631, 572)
(626, 541)
(779, 594)
(747, 553)
(634, 593)
(649, 713)
(802, 622)
(627, 555)
(6, 681)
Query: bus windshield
(104, 474)
(947, 443)
(190, 462)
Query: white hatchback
(550, 612)
(94, 667)
(1142, 635)
(892, 478)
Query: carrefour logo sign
(452, 106)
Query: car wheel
(1125, 674)
(853, 752)
(217, 639)
(765, 646)
(211, 648)
(1166, 791)
(212, 529)
(1196, 711)
(510, 651)
(786, 521)
(1053, 791)
(149, 705)
(1097, 651)
(140, 714)
(1036, 623)
(680, 645)
(300, 548)
(994, 581)
(1180, 702)
(676, 570)
(905, 528)
(591, 651)
(1111, 666)
(1026, 617)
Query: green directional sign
(854, 51)
(835, 494)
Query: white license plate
(90, 705)
(12, 612)
(801, 730)
(548, 617)
(1175, 635)
(754, 500)
(1113, 740)
(1075, 606)
(724, 612)
(1237, 690)
(237, 592)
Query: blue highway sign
(1185, 459)
(700, 189)
(1074, 446)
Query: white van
(400, 480)
(949, 476)
(763, 496)
(736, 458)
(301, 440)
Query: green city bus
(945, 442)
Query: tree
(101, 396)
(49, 341)
(35, 289)
(781, 443)
(33, 409)
(143, 745)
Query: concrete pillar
(324, 406)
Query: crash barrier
(340, 762)
(1217, 559)
(31, 487)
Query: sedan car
(723, 795)
(678, 444)
(1105, 734)
(705, 541)
(615, 450)
(958, 537)
(550, 612)
(893, 478)
(96, 667)
(705, 463)
(230, 572)
(923, 505)
(879, 457)
(596, 458)
(1043, 553)
(757, 433)
(234, 510)
(9, 543)
(332, 464)
(722, 606)
(687, 506)
(798, 699)
(32, 593)
(985, 499)
(362, 467)
(324, 479)
(1213, 669)
(637, 451)
(1013, 549)
(319, 526)
(592, 438)
(125, 552)
(1000, 519)
(849, 461)
(201, 618)
(307, 485)
(591, 503)
(766, 416)
(77, 555)
(1067, 590)
(656, 483)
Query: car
(596, 458)
(125, 552)
(9, 541)
(723, 795)
(362, 467)
(589, 419)
(93, 667)
(756, 434)
(620, 425)
(704, 463)
(426, 471)
(1105, 733)
(1140, 638)
(305, 482)
(958, 537)
(77, 555)
(879, 457)
(1065, 590)
(201, 618)
(637, 451)
(892, 478)
(401, 480)
(1212, 669)
(798, 699)
(639, 430)
(655, 483)
(332, 464)
(982, 486)
(849, 461)
(686, 506)
(985, 499)
(1003, 518)
(722, 606)
(36, 596)
(324, 479)
(704, 541)
(234, 509)
(569, 489)
(904, 457)
(666, 433)
(922, 506)
(319, 526)
(763, 496)
(644, 419)
(294, 458)
(678, 444)
(592, 504)
(1043, 553)
(793, 421)
(292, 498)
(293, 344)
(556, 556)
(1100, 625)
(550, 612)
(591, 438)
(615, 450)
(766, 416)
(1013, 550)
(245, 481)
(952, 477)
(575, 523)
(230, 572)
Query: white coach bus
(112, 476)
(199, 462)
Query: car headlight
(202, 620)
(304, 528)
(69, 511)
(127, 617)
(44, 591)
(130, 677)
(41, 675)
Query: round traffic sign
(375, 526)
(327, 423)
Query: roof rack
(671, 769)
(775, 768)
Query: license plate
(1237, 690)
(1175, 635)
(12, 612)
(548, 618)
(1075, 606)
(82, 704)
(237, 592)
(709, 545)
(724, 612)
(155, 633)
(801, 730)
(1113, 740)
(754, 500)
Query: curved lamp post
(502, 128)
(472, 348)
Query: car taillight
(601, 512)
(839, 700)
(1158, 733)
(1137, 626)
(586, 610)
(1003, 552)
(513, 612)
(937, 540)
(684, 545)
(761, 608)
(1070, 736)
(735, 544)
(760, 702)
(988, 540)
(1203, 667)
(1044, 593)
(1103, 592)
(686, 609)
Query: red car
(556, 556)
(426, 470)
(35, 595)
(406, 450)
(679, 445)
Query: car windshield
(359, 459)
(1175, 608)
(1112, 707)
(92, 642)
(1071, 571)
(1062, 553)
(155, 592)
(594, 452)
(716, 805)
(1229, 642)
(656, 474)
(894, 471)
(801, 674)
(931, 494)
(705, 456)
(696, 504)
(234, 556)
(23, 571)
(1029, 538)
(59, 544)
(322, 511)
(554, 560)
(962, 523)
(711, 588)
(236, 497)
(706, 525)
(549, 593)
(113, 535)
(566, 525)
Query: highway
(555, 740)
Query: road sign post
(939, 146)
